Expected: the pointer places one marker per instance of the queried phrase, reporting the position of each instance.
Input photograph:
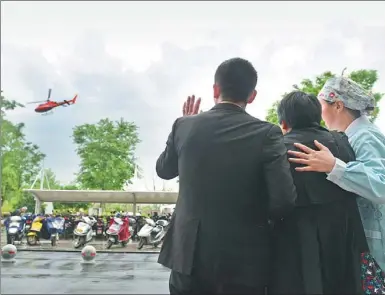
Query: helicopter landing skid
(47, 113)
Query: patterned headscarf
(349, 92)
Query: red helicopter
(48, 105)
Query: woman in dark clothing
(317, 249)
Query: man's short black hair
(237, 79)
(299, 110)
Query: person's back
(221, 169)
(228, 163)
(318, 247)
(313, 187)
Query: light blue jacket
(366, 178)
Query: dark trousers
(199, 283)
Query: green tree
(20, 159)
(27, 199)
(107, 153)
(272, 115)
(365, 78)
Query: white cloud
(127, 60)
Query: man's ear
(284, 127)
(252, 96)
(217, 91)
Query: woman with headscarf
(344, 107)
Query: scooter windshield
(82, 225)
(14, 224)
(58, 222)
(114, 227)
(15, 218)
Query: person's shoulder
(307, 137)
(257, 120)
(192, 118)
(269, 127)
(369, 132)
(368, 139)
(344, 150)
(339, 136)
(185, 119)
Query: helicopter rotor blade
(49, 93)
(37, 101)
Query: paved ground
(62, 273)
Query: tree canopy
(21, 159)
(107, 154)
(365, 78)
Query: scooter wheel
(77, 242)
(53, 241)
(31, 240)
(109, 244)
(124, 244)
(141, 243)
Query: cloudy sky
(139, 61)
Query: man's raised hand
(191, 106)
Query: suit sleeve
(167, 163)
(280, 185)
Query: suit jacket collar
(228, 106)
(311, 127)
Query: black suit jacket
(233, 177)
(317, 249)
(312, 187)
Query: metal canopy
(133, 197)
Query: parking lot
(45, 269)
(63, 273)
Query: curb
(79, 251)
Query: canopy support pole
(134, 205)
(37, 204)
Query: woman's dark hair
(299, 110)
(237, 79)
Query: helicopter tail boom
(74, 99)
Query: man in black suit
(234, 177)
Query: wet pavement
(35, 272)
(67, 246)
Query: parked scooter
(152, 233)
(83, 232)
(140, 221)
(68, 226)
(47, 228)
(15, 228)
(28, 221)
(59, 224)
(100, 228)
(131, 228)
(118, 231)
